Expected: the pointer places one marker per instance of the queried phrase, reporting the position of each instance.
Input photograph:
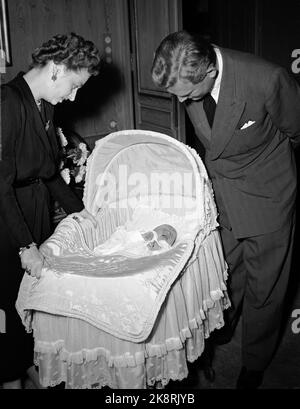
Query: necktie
(209, 106)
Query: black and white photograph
(149, 227)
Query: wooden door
(151, 21)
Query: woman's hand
(87, 215)
(32, 261)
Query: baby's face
(154, 245)
(166, 236)
(151, 243)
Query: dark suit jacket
(253, 170)
(28, 151)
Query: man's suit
(254, 178)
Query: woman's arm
(62, 192)
(70, 202)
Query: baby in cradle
(136, 243)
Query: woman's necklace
(38, 103)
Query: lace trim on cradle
(109, 376)
(199, 322)
(53, 384)
(178, 372)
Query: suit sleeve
(9, 208)
(283, 104)
(61, 192)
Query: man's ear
(212, 72)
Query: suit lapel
(229, 108)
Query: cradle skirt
(73, 351)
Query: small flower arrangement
(74, 154)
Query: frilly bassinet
(120, 321)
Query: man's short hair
(182, 56)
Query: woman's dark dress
(28, 173)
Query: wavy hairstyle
(71, 50)
(181, 56)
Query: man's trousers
(259, 269)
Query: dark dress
(28, 176)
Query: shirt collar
(216, 88)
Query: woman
(28, 174)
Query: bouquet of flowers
(74, 154)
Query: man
(246, 113)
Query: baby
(135, 243)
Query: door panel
(155, 110)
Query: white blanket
(118, 294)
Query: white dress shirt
(216, 88)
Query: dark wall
(267, 28)
(270, 29)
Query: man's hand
(32, 261)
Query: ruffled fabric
(73, 351)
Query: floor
(284, 371)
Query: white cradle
(121, 322)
